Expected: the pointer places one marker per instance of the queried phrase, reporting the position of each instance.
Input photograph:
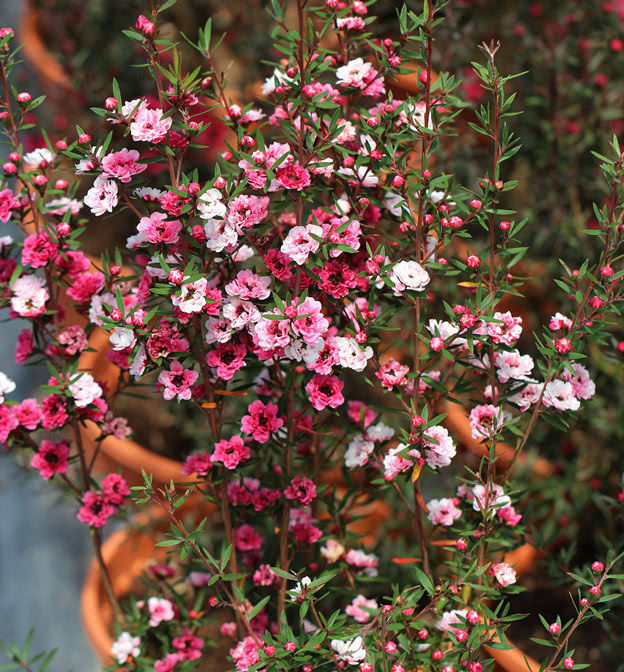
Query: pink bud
(554, 628)
(423, 633)
(269, 650)
(372, 121)
(472, 616)
(23, 97)
(563, 345)
(423, 76)
(40, 180)
(436, 344)
(437, 654)
(475, 203)
(606, 271)
(9, 168)
(473, 261)
(61, 184)
(361, 337)
(116, 314)
(193, 188)
(61, 144)
(390, 647)
(15, 156)
(63, 229)
(398, 181)
(595, 590)
(597, 566)
(398, 668)
(568, 663)
(461, 544)
(504, 226)
(366, 667)
(115, 269)
(111, 103)
(175, 276)
(83, 138)
(426, 174)
(290, 646)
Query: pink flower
(231, 452)
(54, 412)
(38, 250)
(177, 381)
(8, 422)
(264, 576)
(28, 414)
(245, 654)
(262, 421)
(325, 391)
(359, 412)
(160, 609)
(584, 386)
(394, 463)
(307, 319)
(301, 489)
(301, 241)
(485, 420)
(192, 297)
(293, 176)
(95, 509)
(24, 346)
(85, 285)
(51, 458)
(438, 454)
(450, 619)
(443, 511)
(247, 539)
(122, 164)
(199, 463)
(8, 203)
(73, 338)
(357, 612)
(227, 359)
(513, 366)
(245, 211)
(115, 488)
(189, 647)
(392, 374)
(149, 126)
(167, 663)
(158, 229)
(29, 296)
(505, 574)
(115, 426)
(271, 334)
(509, 515)
(102, 197)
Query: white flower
(380, 432)
(210, 205)
(270, 82)
(84, 390)
(351, 651)
(409, 275)
(358, 452)
(6, 386)
(124, 646)
(350, 354)
(102, 197)
(39, 157)
(137, 367)
(301, 587)
(122, 338)
(560, 395)
(354, 73)
(192, 296)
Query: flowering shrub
(318, 302)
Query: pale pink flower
(527, 396)
(513, 366)
(122, 164)
(85, 390)
(249, 285)
(356, 611)
(559, 321)
(485, 420)
(149, 125)
(192, 296)
(441, 453)
(126, 646)
(394, 463)
(507, 331)
(160, 609)
(450, 619)
(409, 275)
(443, 511)
(301, 242)
(584, 386)
(102, 197)
(358, 452)
(560, 394)
(505, 574)
(29, 296)
(308, 320)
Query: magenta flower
(177, 381)
(262, 421)
(51, 458)
(231, 452)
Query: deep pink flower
(261, 421)
(247, 539)
(325, 391)
(227, 359)
(200, 464)
(231, 452)
(158, 229)
(51, 458)
(96, 509)
(8, 422)
(301, 489)
(8, 203)
(24, 346)
(115, 489)
(28, 414)
(38, 250)
(54, 410)
(189, 647)
(84, 286)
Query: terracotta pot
(128, 454)
(51, 74)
